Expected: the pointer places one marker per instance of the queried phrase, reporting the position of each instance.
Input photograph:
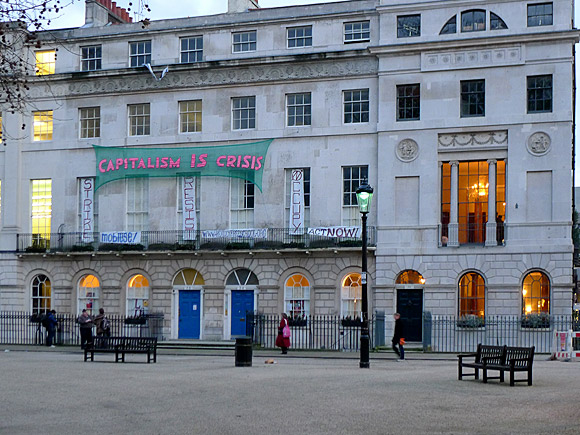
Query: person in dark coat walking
(51, 324)
(283, 339)
(86, 327)
(399, 337)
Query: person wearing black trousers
(398, 337)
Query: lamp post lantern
(364, 195)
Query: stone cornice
(209, 75)
(571, 36)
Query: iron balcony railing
(19, 327)
(472, 233)
(174, 240)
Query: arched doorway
(409, 287)
(188, 303)
(241, 297)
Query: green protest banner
(245, 161)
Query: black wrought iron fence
(461, 334)
(311, 332)
(25, 328)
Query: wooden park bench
(121, 346)
(516, 359)
(490, 353)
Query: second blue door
(189, 313)
(242, 302)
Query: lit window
(139, 119)
(90, 122)
(137, 296)
(242, 203)
(42, 125)
(89, 293)
(91, 58)
(190, 116)
(299, 37)
(41, 294)
(472, 98)
(41, 213)
(410, 277)
(450, 26)
(137, 204)
(243, 113)
(352, 178)
(472, 295)
(45, 62)
(408, 26)
(297, 296)
(536, 294)
(356, 106)
(192, 49)
(540, 94)
(472, 200)
(540, 14)
(244, 41)
(140, 53)
(298, 108)
(351, 293)
(408, 102)
(358, 31)
(473, 21)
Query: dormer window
(473, 21)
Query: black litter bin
(244, 352)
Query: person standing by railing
(102, 323)
(283, 338)
(51, 324)
(86, 327)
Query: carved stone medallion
(407, 150)
(539, 143)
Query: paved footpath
(54, 392)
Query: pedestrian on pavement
(399, 337)
(51, 324)
(102, 323)
(283, 339)
(86, 326)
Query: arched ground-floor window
(536, 294)
(351, 294)
(137, 295)
(41, 294)
(297, 296)
(89, 291)
(472, 295)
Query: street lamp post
(364, 194)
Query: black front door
(410, 307)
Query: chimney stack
(103, 12)
(242, 5)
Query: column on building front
(491, 226)
(453, 230)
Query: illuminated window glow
(41, 209)
(472, 295)
(297, 296)
(45, 62)
(351, 294)
(42, 125)
(137, 295)
(536, 294)
(89, 293)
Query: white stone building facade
(459, 114)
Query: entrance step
(196, 345)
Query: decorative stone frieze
(472, 58)
(208, 77)
(407, 150)
(539, 143)
(475, 139)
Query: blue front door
(242, 302)
(189, 313)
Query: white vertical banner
(188, 207)
(87, 206)
(297, 202)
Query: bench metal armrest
(466, 355)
